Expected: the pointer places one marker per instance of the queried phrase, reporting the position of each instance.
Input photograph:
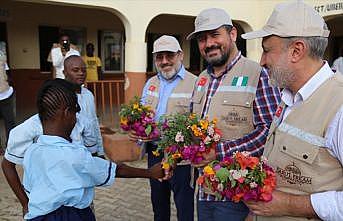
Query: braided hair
(53, 95)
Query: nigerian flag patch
(240, 81)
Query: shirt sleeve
(328, 205)
(57, 57)
(95, 124)
(98, 62)
(21, 137)
(264, 106)
(101, 172)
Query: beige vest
(296, 147)
(3, 77)
(232, 103)
(180, 98)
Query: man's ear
(233, 34)
(298, 50)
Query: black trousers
(7, 113)
(179, 184)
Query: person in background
(59, 52)
(7, 96)
(86, 131)
(93, 64)
(169, 92)
(338, 63)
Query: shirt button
(305, 156)
(284, 148)
(225, 101)
(247, 103)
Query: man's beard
(281, 77)
(170, 74)
(217, 61)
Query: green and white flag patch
(241, 81)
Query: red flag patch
(152, 88)
(202, 81)
(278, 111)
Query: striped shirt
(264, 106)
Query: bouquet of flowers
(139, 118)
(207, 136)
(186, 137)
(240, 177)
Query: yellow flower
(156, 153)
(123, 120)
(208, 170)
(192, 116)
(165, 166)
(215, 120)
(204, 124)
(135, 106)
(176, 155)
(196, 130)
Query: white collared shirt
(327, 205)
(58, 60)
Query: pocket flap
(238, 100)
(306, 153)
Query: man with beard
(234, 90)
(169, 92)
(86, 131)
(304, 145)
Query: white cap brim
(256, 34)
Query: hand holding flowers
(240, 177)
(187, 137)
(139, 119)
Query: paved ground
(126, 200)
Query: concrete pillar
(135, 68)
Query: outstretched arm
(154, 172)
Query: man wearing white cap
(305, 145)
(234, 90)
(169, 92)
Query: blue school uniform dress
(59, 178)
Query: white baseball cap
(166, 43)
(292, 19)
(210, 19)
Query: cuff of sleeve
(220, 151)
(320, 203)
(13, 158)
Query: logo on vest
(201, 83)
(233, 118)
(152, 88)
(279, 111)
(292, 175)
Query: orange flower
(237, 197)
(246, 161)
(200, 180)
(208, 170)
(176, 155)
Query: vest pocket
(306, 153)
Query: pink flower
(179, 137)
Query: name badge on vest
(201, 84)
(240, 81)
(151, 90)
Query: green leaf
(222, 174)
(148, 130)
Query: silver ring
(139, 141)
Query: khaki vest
(296, 147)
(180, 98)
(232, 105)
(3, 78)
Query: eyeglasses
(168, 55)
